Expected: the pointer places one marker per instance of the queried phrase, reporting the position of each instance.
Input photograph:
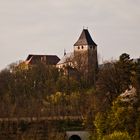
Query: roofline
(31, 55)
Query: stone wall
(36, 129)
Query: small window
(78, 47)
(82, 47)
(91, 47)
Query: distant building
(66, 60)
(136, 60)
(33, 59)
(82, 59)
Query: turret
(86, 49)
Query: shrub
(117, 136)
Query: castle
(83, 58)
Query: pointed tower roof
(85, 39)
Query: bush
(100, 124)
(117, 136)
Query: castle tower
(85, 53)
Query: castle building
(33, 59)
(83, 58)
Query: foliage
(115, 77)
(117, 136)
(136, 135)
(122, 116)
(43, 90)
(100, 125)
(40, 90)
(67, 85)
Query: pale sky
(50, 26)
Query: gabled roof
(85, 39)
(48, 59)
(66, 58)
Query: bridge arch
(74, 137)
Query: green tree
(126, 68)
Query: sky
(50, 26)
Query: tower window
(91, 47)
(82, 47)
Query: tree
(121, 117)
(125, 67)
(115, 77)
